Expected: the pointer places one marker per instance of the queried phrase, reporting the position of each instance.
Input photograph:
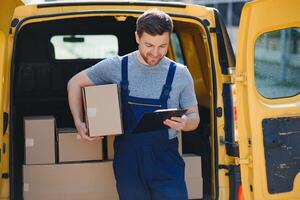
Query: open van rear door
(268, 99)
(6, 12)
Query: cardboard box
(72, 148)
(194, 188)
(39, 139)
(110, 147)
(76, 181)
(91, 181)
(193, 176)
(102, 110)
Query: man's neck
(141, 59)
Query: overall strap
(124, 78)
(168, 84)
(124, 91)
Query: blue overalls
(147, 166)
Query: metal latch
(241, 78)
(231, 79)
(243, 161)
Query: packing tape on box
(29, 142)
(26, 187)
(91, 112)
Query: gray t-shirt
(147, 82)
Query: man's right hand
(82, 130)
(75, 84)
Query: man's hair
(154, 22)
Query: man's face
(152, 48)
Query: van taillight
(234, 112)
(233, 90)
(240, 193)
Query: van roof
(61, 3)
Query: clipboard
(152, 121)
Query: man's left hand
(177, 123)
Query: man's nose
(155, 51)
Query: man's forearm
(192, 122)
(75, 101)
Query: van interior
(42, 67)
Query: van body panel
(3, 168)
(6, 7)
(267, 123)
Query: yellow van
(249, 142)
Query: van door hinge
(243, 161)
(3, 148)
(231, 79)
(219, 112)
(213, 30)
(241, 78)
(5, 176)
(5, 122)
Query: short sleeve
(104, 71)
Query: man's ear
(137, 38)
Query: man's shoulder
(181, 69)
(129, 55)
(179, 66)
(112, 63)
(182, 72)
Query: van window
(277, 63)
(84, 46)
(177, 48)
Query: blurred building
(231, 12)
(229, 9)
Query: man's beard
(148, 59)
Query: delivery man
(147, 166)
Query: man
(147, 165)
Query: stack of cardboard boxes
(61, 169)
(60, 165)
